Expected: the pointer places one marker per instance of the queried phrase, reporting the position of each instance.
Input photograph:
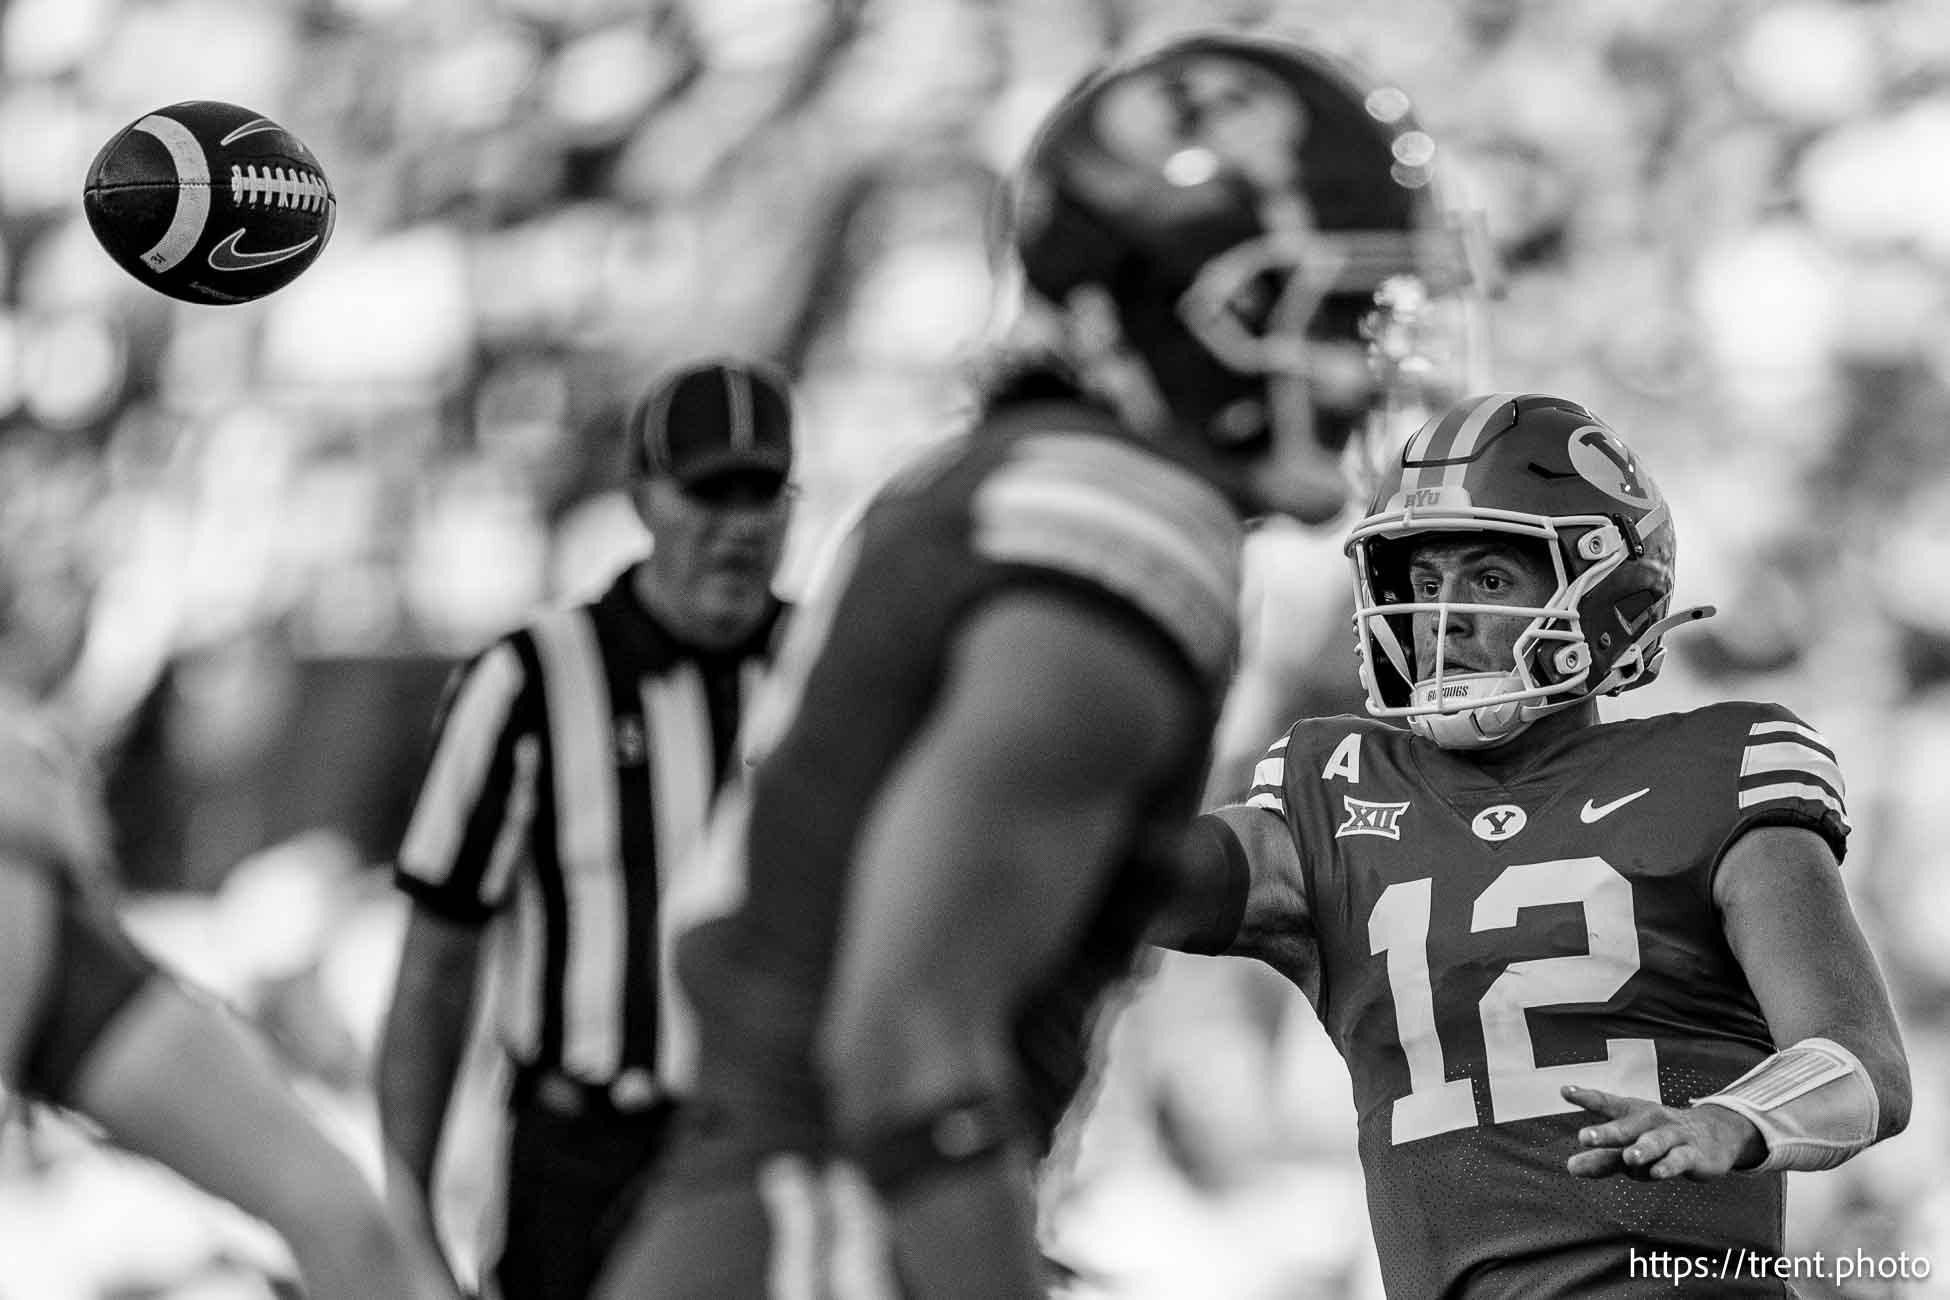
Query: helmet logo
(1608, 465)
(1195, 117)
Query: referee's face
(715, 548)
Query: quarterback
(1597, 984)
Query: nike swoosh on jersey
(226, 256)
(1593, 812)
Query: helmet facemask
(1335, 342)
(1591, 510)
(1551, 659)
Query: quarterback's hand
(1643, 1139)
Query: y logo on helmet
(1608, 465)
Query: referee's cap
(719, 416)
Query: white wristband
(1812, 1102)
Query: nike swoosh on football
(1592, 812)
(252, 127)
(226, 256)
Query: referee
(575, 760)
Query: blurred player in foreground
(1541, 941)
(1007, 688)
(89, 1023)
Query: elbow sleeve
(1216, 879)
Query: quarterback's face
(714, 553)
(1478, 570)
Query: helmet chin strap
(1463, 726)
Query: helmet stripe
(1440, 429)
(1463, 450)
(1439, 455)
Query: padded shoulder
(1109, 512)
(1314, 747)
(1787, 771)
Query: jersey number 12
(1519, 1087)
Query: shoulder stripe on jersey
(1270, 771)
(1153, 533)
(1784, 727)
(466, 750)
(1776, 772)
(1785, 748)
(1781, 728)
(1790, 790)
(1113, 480)
(1785, 760)
(1268, 789)
(576, 686)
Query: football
(209, 202)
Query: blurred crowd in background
(243, 545)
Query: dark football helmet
(1242, 241)
(1535, 467)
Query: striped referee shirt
(575, 762)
